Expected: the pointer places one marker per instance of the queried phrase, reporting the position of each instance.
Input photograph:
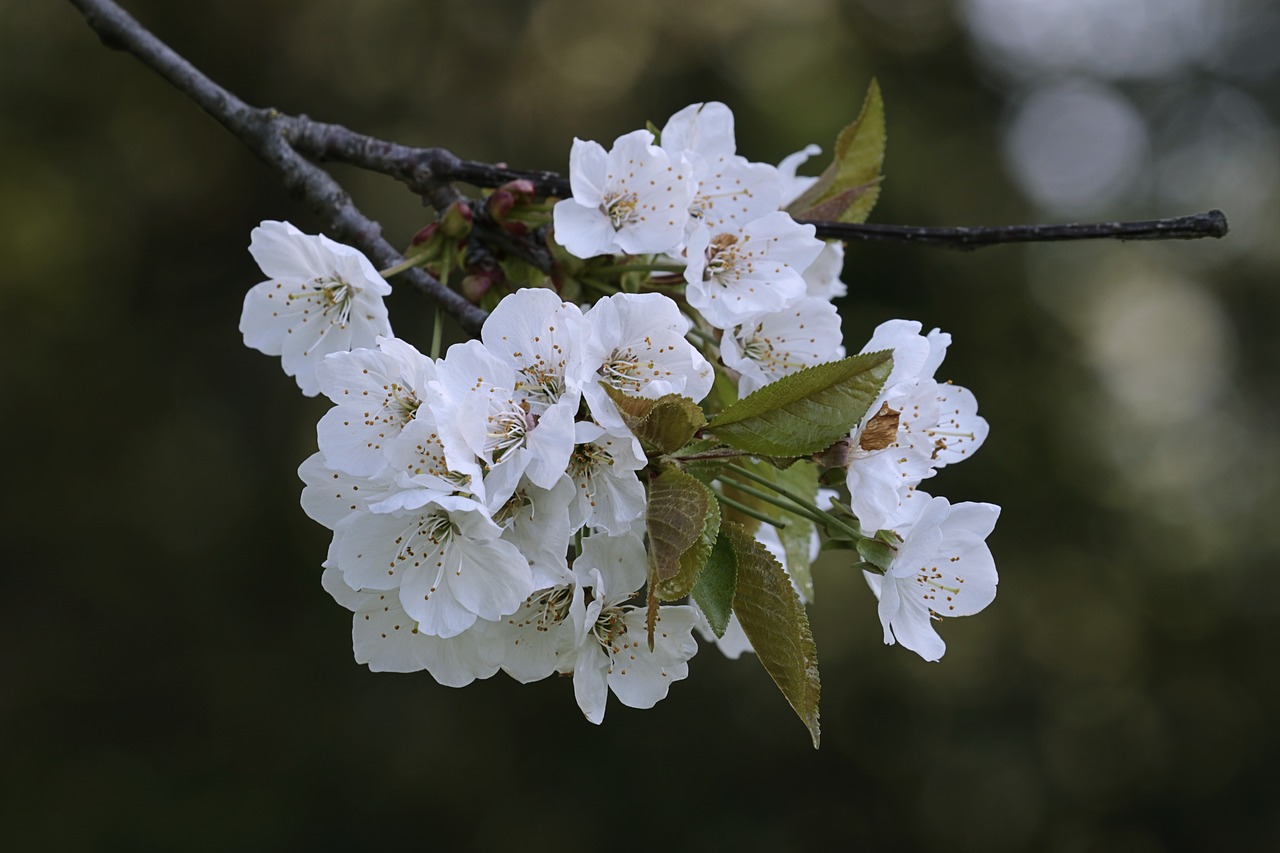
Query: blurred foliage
(178, 680)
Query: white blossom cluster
(751, 270)
(488, 507)
(767, 284)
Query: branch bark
(1212, 223)
(292, 146)
(267, 133)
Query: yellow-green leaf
(775, 622)
(716, 584)
(849, 187)
(664, 424)
(693, 560)
(679, 512)
(806, 411)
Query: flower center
(509, 429)
(609, 626)
(507, 512)
(334, 295)
(758, 348)
(400, 405)
(542, 385)
(620, 207)
(620, 369)
(551, 606)
(722, 256)
(586, 459)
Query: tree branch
(1210, 224)
(289, 144)
(267, 134)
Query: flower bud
(424, 234)
(477, 284)
(456, 221)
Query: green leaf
(693, 560)
(806, 411)
(715, 587)
(798, 534)
(677, 520)
(775, 622)
(663, 425)
(848, 188)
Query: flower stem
(713, 453)
(626, 268)
(746, 510)
(821, 517)
(408, 263)
(814, 514)
(437, 334)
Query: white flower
(493, 414)
(729, 190)
(913, 428)
(767, 347)
(445, 557)
(632, 199)
(538, 639)
(943, 568)
(612, 639)
(635, 343)
(537, 522)
(422, 470)
(389, 640)
(540, 335)
(754, 269)
(581, 626)
(704, 129)
(321, 297)
(331, 496)
(603, 467)
(376, 393)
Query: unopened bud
(499, 204)
(424, 234)
(456, 222)
(476, 285)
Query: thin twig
(1212, 223)
(266, 133)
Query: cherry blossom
(767, 347)
(445, 557)
(728, 189)
(376, 393)
(753, 269)
(633, 198)
(913, 428)
(321, 297)
(943, 568)
(389, 640)
(635, 342)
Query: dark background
(175, 678)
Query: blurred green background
(177, 680)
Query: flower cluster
(456, 489)
(531, 501)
